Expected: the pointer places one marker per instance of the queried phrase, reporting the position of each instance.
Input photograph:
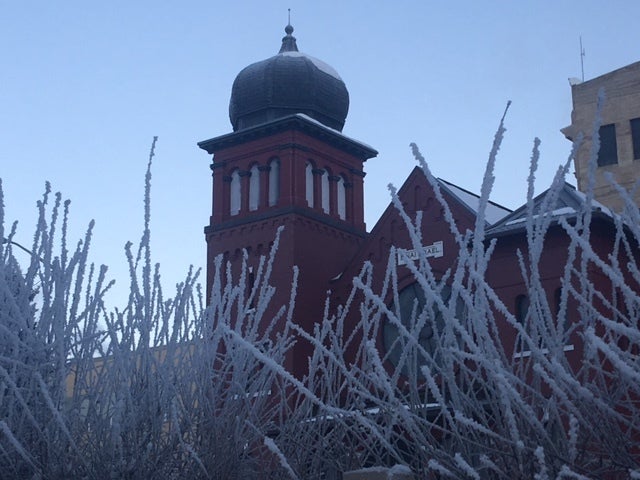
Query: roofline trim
(297, 121)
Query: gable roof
(568, 203)
(464, 201)
(494, 211)
(468, 200)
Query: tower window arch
(235, 192)
(341, 198)
(274, 182)
(324, 184)
(254, 188)
(308, 177)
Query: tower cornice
(297, 122)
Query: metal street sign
(435, 250)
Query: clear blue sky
(84, 86)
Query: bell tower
(287, 163)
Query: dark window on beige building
(608, 154)
(635, 137)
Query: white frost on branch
(166, 387)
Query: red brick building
(287, 164)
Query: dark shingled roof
(288, 83)
(568, 204)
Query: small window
(342, 204)
(254, 188)
(608, 153)
(324, 182)
(274, 182)
(522, 308)
(251, 283)
(236, 193)
(635, 137)
(308, 173)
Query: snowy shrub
(158, 389)
(474, 407)
(166, 388)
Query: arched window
(432, 338)
(522, 308)
(308, 175)
(324, 182)
(521, 348)
(254, 188)
(417, 199)
(429, 203)
(342, 194)
(274, 182)
(236, 193)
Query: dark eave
(291, 122)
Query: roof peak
(288, 41)
(285, 83)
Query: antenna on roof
(289, 19)
(581, 58)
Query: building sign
(435, 250)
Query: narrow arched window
(236, 193)
(254, 188)
(324, 182)
(308, 176)
(522, 308)
(342, 196)
(274, 182)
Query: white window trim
(544, 351)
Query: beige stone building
(619, 134)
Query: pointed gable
(493, 213)
(567, 203)
(417, 195)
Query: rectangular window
(522, 349)
(608, 154)
(635, 137)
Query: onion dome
(288, 83)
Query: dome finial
(288, 41)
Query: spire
(288, 41)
